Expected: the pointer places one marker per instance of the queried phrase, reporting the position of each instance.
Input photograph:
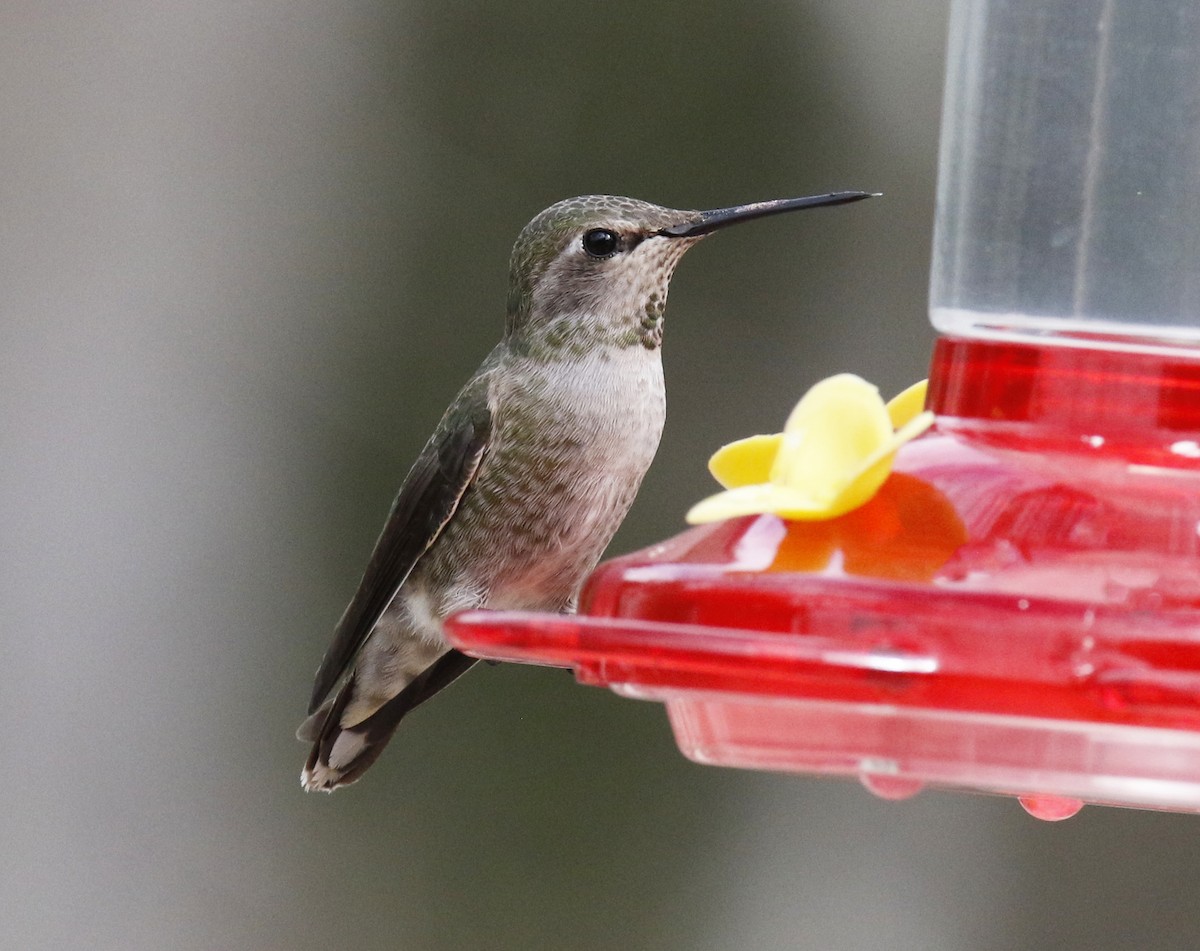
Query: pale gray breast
(571, 443)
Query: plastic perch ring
(1016, 610)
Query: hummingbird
(530, 471)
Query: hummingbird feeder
(1016, 608)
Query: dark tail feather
(340, 755)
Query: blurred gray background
(248, 252)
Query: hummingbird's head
(595, 269)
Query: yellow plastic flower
(833, 455)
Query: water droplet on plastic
(893, 788)
(1050, 808)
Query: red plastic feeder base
(1017, 610)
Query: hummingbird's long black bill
(709, 221)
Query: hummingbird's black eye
(600, 242)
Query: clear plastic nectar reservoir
(1069, 182)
